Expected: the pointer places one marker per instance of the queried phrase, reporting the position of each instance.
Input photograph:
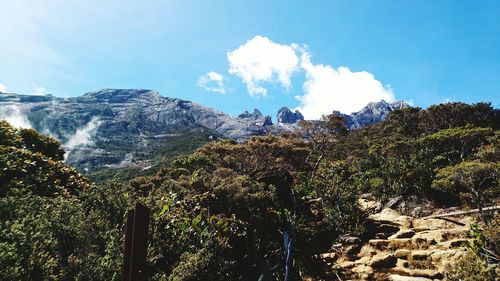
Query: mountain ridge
(111, 127)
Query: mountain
(372, 113)
(114, 127)
(130, 127)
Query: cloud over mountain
(83, 136)
(14, 115)
(325, 88)
(261, 60)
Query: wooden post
(136, 242)
(252, 255)
(129, 228)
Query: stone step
(421, 255)
(442, 259)
(382, 261)
(433, 224)
(388, 215)
(425, 273)
(328, 257)
(442, 235)
(404, 233)
(402, 263)
(396, 277)
(414, 243)
(456, 243)
(402, 254)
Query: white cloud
(261, 60)
(14, 115)
(327, 89)
(3, 89)
(212, 81)
(83, 136)
(40, 91)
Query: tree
(475, 182)
(322, 135)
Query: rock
(386, 261)
(402, 253)
(123, 122)
(402, 263)
(411, 253)
(394, 202)
(421, 211)
(425, 273)
(136, 122)
(352, 250)
(421, 255)
(362, 260)
(372, 113)
(351, 240)
(382, 235)
(285, 115)
(369, 206)
(456, 243)
(391, 216)
(368, 196)
(441, 235)
(255, 114)
(329, 257)
(363, 269)
(387, 228)
(395, 277)
(345, 264)
(405, 233)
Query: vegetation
(478, 262)
(284, 198)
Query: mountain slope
(128, 127)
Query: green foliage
(403, 155)
(35, 142)
(475, 264)
(471, 267)
(475, 182)
(212, 207)
(52, 226)
(334, 185)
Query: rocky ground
(399, 247)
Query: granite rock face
(372, 113)
(114, 127)
(286, 116)
(104, 127)
(375, 112)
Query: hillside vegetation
(285, 198)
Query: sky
(314, 56)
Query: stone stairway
(398, 247)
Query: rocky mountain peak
(107, 126)
(255, 114)
(373, 112)
(120, 95)
(285, 115)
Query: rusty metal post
(136, 242)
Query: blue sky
(317, 56)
